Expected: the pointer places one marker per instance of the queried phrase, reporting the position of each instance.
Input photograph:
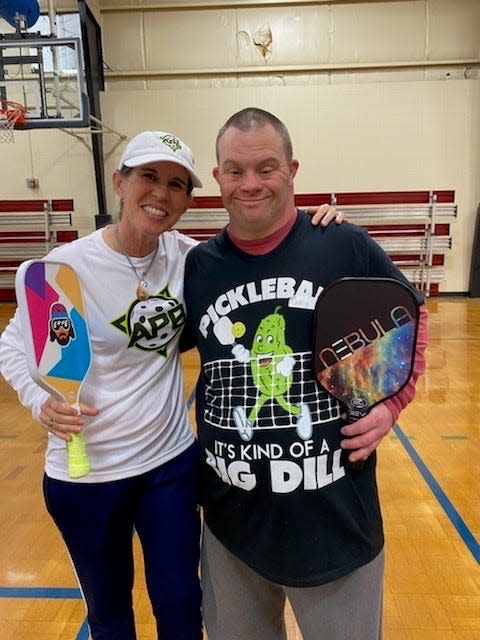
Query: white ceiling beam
(467, 63)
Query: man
(284, 516)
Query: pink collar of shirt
(260, 246)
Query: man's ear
(215, 173)
(294, 168)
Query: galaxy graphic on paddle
(374, 372)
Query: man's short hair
(254, 118)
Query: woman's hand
(62, 419)
(326, 213)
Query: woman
(140, 443)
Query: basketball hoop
(12, 114)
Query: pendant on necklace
(142, 292)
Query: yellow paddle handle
(78, 462)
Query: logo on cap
(172, 142)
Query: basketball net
(12, 114)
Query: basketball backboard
(45, 74)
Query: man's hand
(326, 213)
(365, 434)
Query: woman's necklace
(142, 285)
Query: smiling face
(270, 336)
(256, 180)
(154, 197)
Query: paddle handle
(78, 463)
(352, 416)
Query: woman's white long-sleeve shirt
(136, 378)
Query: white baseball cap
(155, 146)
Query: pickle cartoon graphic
(271, 363)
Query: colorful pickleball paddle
(56, 338)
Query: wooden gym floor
(428, 478)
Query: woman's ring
(50, 422)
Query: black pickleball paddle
(365, 332)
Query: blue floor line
(84, 633)
(40, 592)
(455, 518)
(191, 399)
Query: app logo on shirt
(152, 324)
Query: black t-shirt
(274, 486)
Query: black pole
(93, 60)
